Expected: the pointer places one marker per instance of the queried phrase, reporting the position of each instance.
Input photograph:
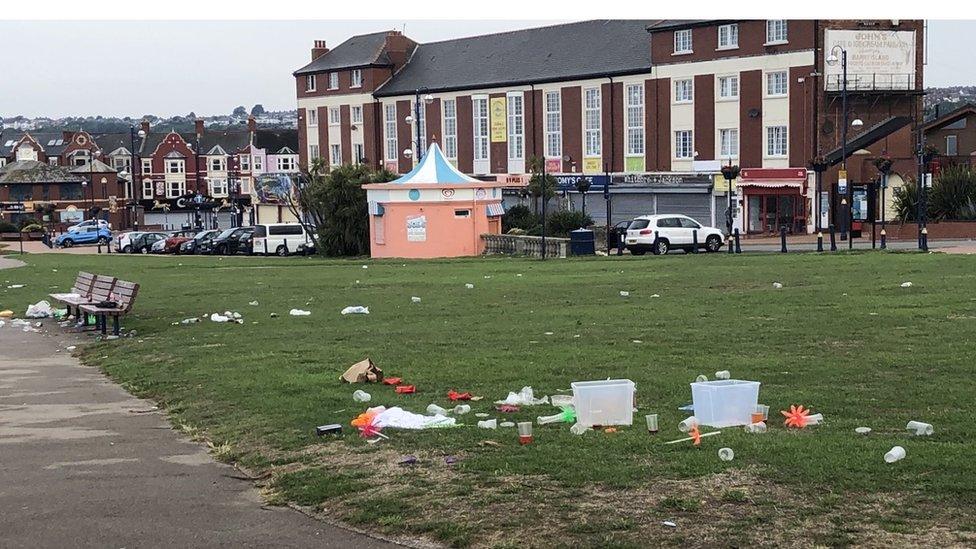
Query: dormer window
(333, 80)
(682, 41)
(310, 83)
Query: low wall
(937, 230)
(531, 246)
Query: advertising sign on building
(499, 114)
(417, 228)
(592, 165)
(876, 59)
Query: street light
(832, 60)
(730, 171)
(427, 99)
(91, 179)
(133, 134)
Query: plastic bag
(41, 309)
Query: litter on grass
(906, 284)
(469, 286)
(488, 424)
(895, 454)
(525, 397)
(433, 409)
(41, 309)
(364, 371)
(361, 396)
(253, 303)
(191, 320)
(919, 428)
(624, 293)
(398, 418)
(723, 374)
(507, 424)
(355, 310)
(862, 430)
(777, 285)
(415, 299)
(726, 454)
(301, 312)
(15, 286)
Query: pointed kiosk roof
(434, 168)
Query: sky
(120, 68)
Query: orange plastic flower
(364, 419)
(796, 417)
(695, 435)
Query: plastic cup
(765, 411)
(895, 454)
(723, 374)
(461, 409)
(488, 424)
(920, 428)
(702, 378)
(651, 423)
(434, 410)
(757, 427)
(525, 432)
(687, 423)
(361, 396)
(726, 454)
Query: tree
(332, 206)
(239, 111)
(540, 187)
(257, 110)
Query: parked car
(673, 231)
(177, 238)
(86, 235)
(618, 233)
(194, 245)
(158, 246)
(143, 243)
(232, 241)
(281, 239)
(123, 242)
(101, 223)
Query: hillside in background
(104, 124)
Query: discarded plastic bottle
(462, 409)
(568, 415)
(919, 428)
(759, 427)
(726, 454)
(895, 454)
(361, 396)
(434, 410)
(687, 423)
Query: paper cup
(726, 454)
(920, 429)
(895, 454)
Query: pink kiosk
(434, 211)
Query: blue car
(84, 235)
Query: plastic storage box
(608, 402)
(725, 403)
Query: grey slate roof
(359, 51)
(273, 141)
(43, 138)
(587, 49)
(676, 23)
(31, 171)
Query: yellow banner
(592, 165)
(499, 119)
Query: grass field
(841, 337)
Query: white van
(281, 239)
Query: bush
(8, 227)
(561, 223)
(952, 192)
(906, 200)
(519, 217)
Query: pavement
(85, 464)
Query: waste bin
(581, 242)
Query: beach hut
(434, 211)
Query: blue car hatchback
(84, 235)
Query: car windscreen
(638, 224)
(226, 233)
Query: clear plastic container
(608, 402)
(725, 403)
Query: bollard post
(731, 250)
(694, 241)
(820, 241)
(738, 248)
(620, 242)
(286, 246)
(654, 244)
(21, 233)
(99, 246)
(884, 244)
(925, 239)
(782, 239)
(265, 246)
(833, 239)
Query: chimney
(252, 124)
(144, 126)
(319, 49)
(399, 48)
(199, 126)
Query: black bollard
(782, 239)
(731, 251)
(654, 244)
(820, 241)
(925, 239)
(884, 244)
(738, 248)
(833, 239)
(694, 241)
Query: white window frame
(781, 81)
(356, 114)
(313, 152)
(554, 124)
(175, 188)
(245, 162)
(335, 116)
(954, 150)
(776, 32)
(335, 154)
(481, 133)
(634, 121)
(777, 142)
(356, 78)
(148, 188)
(515, 107)
(728, 143)
(730, 34)
(450, 128)
(333, 80)
(730, 81)
(146, 166)
(390, 129)
(286, 163)
(259, 163)
(592, 122)
(218, 187)
(686, 87)
(682, 42)
(175, 166)
(217, 164)
(312, 117)
(309, 82)
(684, 145)
(358, 153)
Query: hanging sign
(842, 182)
(499, 114)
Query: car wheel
(67, 243)
(662, 246)
(127, 249)
(713, 243)
(144, 250)
(281, 251)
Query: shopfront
(639, 194)
(775, 198)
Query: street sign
(842, 182)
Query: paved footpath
(85, 464)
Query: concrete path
(85, 464)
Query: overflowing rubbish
(756, 428)
(723, 374)
(405, 389)
(895, 454)
(364, 371)
(725, 403)
(567, 415)
(608, 402)
(777, 285)
(301, 312)
(415, 299)
(525, 432)
(488, 424)
(799, 417)
(41, 309)
(652, 426)
(525, 397)
(361, 396)
(919, 428)
(355, 310)
(726, 454)
(331, 429)
(906, 284)
(862, 430)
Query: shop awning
(496, 209)
(774, 178)
(869, 137)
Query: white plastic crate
(609, 402)
(725, 403)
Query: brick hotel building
(658, 105)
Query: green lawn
(841, 337)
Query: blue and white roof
(434, 168)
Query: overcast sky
(166, 68)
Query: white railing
(531, 246)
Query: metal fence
(870, 82)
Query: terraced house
(648, 109)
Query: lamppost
(133, 134)
(427, 99)
(91, 180)
(847, 190)
(730, 171)
(884, 167)
(819, 165)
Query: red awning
(774, 178)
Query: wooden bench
(80, 292)
(124, 295)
